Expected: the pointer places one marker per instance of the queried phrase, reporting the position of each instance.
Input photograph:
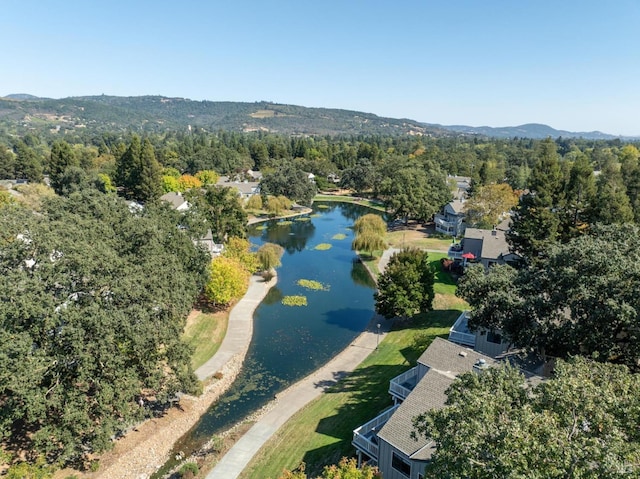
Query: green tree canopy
(291, 182)
(138, 171)
(360, 177)
(535, 224)
(221, 207)
(62, 157)
(96, 300)
(406, 286)
(27, 164)
(581, 298)
(582, 422)
(411, 190)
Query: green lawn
(351, 199)
(204, 334)
(321, 433)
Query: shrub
(189, 470)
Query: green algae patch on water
(339, 236)
(261, 227)
(303, 218)
(316, 215)
(284, 223)
(314, 285)
(294, 300)
(323, 207)
(323, 246)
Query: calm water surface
(289, 342)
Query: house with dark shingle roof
(387, 440)
(488, 247)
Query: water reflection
(292, 235)
(360, 275)
(289, 342)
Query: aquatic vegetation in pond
(285, 223)
(261, 227)
(323, 246)
(311, 284)
(339, 236)
(316, 215)
(303, 218)
(294, 300)
(323, 207)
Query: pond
(289, 342)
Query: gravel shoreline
(147, 447)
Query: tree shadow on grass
(365, 390)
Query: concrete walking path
(296, 397)
(239, 328)
(300, 394)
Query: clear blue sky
(572, 64)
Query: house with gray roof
(176, 200)
(386, 440)
(451, 220)
(488, 247)
(246, 189)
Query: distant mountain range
(529, 130)
(21, 113)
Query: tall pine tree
(62, 156)
(536, 224)
(149, 187)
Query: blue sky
(572, 64)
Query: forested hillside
(158, 114)
(21, 113)
(99, 289)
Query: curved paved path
(239, 328)
(297, 396)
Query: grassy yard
(411, 238)
(351, 199)
(321, 433)
(204, 332)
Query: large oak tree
(581, 423)
(95, 298)
(580, 298)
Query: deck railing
(459, 332)
(365, 437)
(397, 385)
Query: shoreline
(140, 458)
(133, 457)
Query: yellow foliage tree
(489, 203)
(240, 249)
(207, 177)
(228, 281)
(187, 182)
(254, 202)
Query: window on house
(494, 338)
(401, 465)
